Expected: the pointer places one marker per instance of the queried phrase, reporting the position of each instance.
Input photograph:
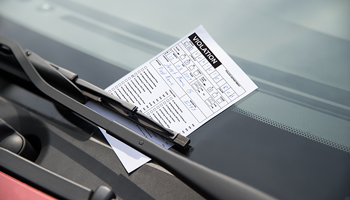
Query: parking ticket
(181, 88)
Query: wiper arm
(210, 184)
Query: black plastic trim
(41, 178)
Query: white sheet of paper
(181, 88)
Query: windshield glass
(297, 52)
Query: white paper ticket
(181, 88)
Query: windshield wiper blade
(81, 90)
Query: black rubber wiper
(208, 183)
(70, 84)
